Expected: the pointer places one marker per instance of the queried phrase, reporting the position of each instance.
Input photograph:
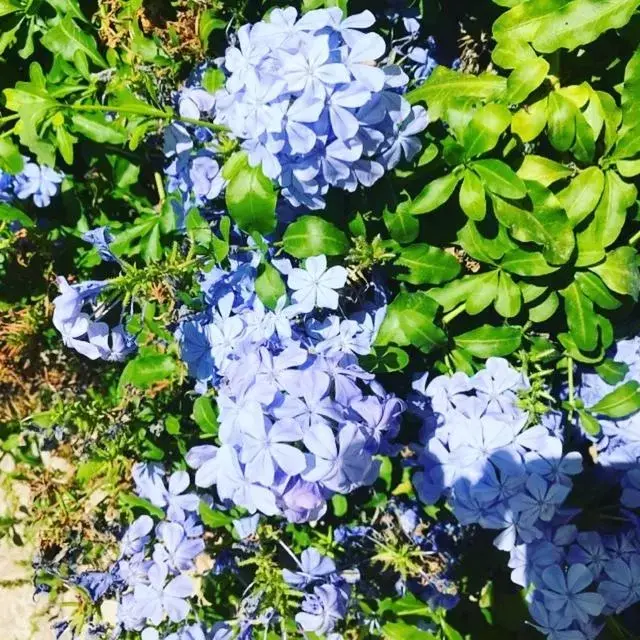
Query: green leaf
(545, 309)
(410, 321)
(585, 143)
(582, 195)
(97, 128)
(132, 501)
(581, 318)
(620, 403)
(500, 179)
(485, 128)
(611, 212)
(475, 244)
(561, 121)
(526, 263)
(525, 79)
(403, 631)
(444, 84)
(508, 300)
(487, 341)
(553, 24)
(10, 157)
(146, 370)
(472, 196)
(542, 170)
(212, 518)
(511, 54)
(590, 249)
(427, 265)
(545, 226)
(434, 195)
(628, 143)
(597, 291)
(7, 7)
(528, 122)
(205, 416)
(402, 226)
(311, 236)
(456, 292)
(251, 200)
(270, 286)
(620, 272)
(66, 38)
(484, 294)
(207, 23)
(588, 423)
(612, 372)
(9, 213)
(388, 359)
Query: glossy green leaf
(402, 226)
(612, 371)
(588, 423)
(312, 236)
(525, 79)
(526, 263)
(484, 293)
(597, 291)
(500, 179)
(251, 200)
(434, 195)
(620, 403)
(561, 121)
(269, 286)
(427, 265)
(10, 157)
(582, 194)
(611, 211)
(508, 300)
(205, 415)
(620, 272)
(146, 370)
(97, 128)
(66, 39)
(446, 84)
(488, 341)
(545, 226)
(410, 321)
(472, 197)
(554, 24)
(581, 318)
(542, 170)
(212, 518)
(545, 309)
(529, 122)
(485, 128)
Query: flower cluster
(299, 418)
(312, 104)
(500, 472)
(40, 183)
(327, 592)
(92, 338)
(497, 470)
(617, 443)
(86, 332)
(154, 576)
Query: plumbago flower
(36, 182)
(299, 418)
(499, 471)
(311, 100)
(78, 318)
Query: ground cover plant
(320, 320)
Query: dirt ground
(20, 615)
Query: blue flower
(160, 598)
(314, 567)
(565, 592)
(175, 549)
(137, 536)
(622, 589)
(101, 238)
(39, 182)
(322, 609)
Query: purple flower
(160, 598)
(39, 182)
(322, 609)
(313, 567)
(175, 549)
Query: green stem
(10, 118)
(453, 314)
(145, 111)
(634, 238)
(571, 385)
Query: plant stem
(453, 314)
(570, 383)
(10, 118)
(145, 111)
(634, 238)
